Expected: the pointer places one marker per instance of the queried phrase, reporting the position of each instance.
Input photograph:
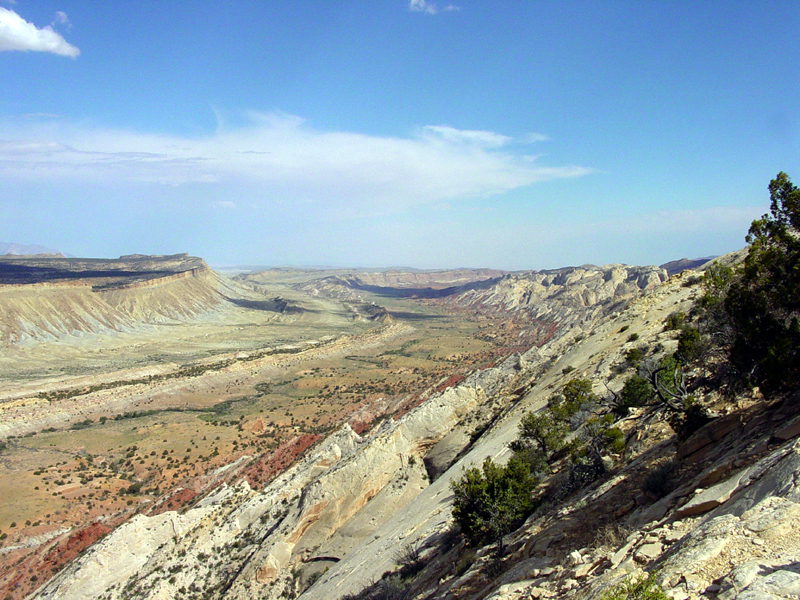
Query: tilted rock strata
(577, 293)
(255, 538)
(355, 502)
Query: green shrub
(674, 321)
(490, 502)
(578, 392)
(575, 397)
(636, 391)
(690, 345)
(643, 588)
(634, 356)
(540, 432)
(614, 439)
(599, 431)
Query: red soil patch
(256, 426)
(174, 501)
(36, 570)
(451, 381)
(265, 468)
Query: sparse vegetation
(561, 449)
(674, 321)
(642, 588)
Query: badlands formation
(362, 509)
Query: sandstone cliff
(331, 505)
(50, 298)
(333, 524)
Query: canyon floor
(102, 422)
(298, 434)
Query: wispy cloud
(430, 8)
(18, 34)
(452, 135)
(61, 19)
(226, 204)
(277, 155)
(532, 138)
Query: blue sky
(516, 135)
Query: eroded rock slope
(354, 501)
(46, 298)
(334, 523)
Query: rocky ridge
(315, 510)
(49, 298)
(592, 290)
(333, 524)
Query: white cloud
(18, 34)
(465, 136)
(279, 156)
(61, 19)
(430, 8)
(533, 138)
(422, 6)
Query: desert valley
(406, 300)
(174, 432)
(133, 385)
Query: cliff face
(73, 299)
(334, 523)
(577, 293)
(354, 501)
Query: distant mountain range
(26, 249)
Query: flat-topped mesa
(434, 279)
(26, 270)
(49, 297)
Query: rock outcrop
(578, 293)
(49, 298)
(346, 513)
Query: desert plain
(132, 386)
